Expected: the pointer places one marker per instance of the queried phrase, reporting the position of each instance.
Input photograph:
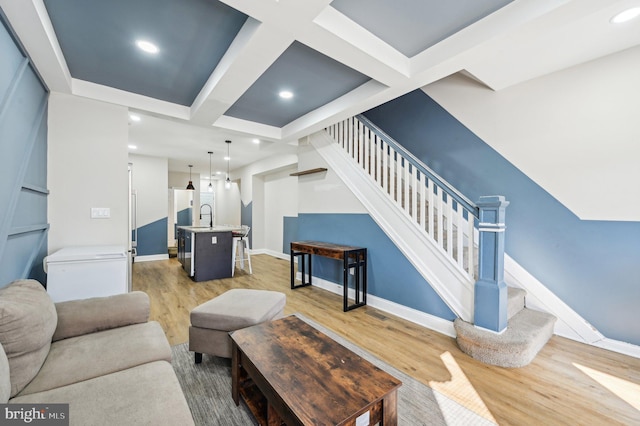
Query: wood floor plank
(555, 389)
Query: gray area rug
(207, 388)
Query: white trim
(151, 257)
(569, 324)
(429, 321)
(619, 347)
(271, 253)
(449, 281)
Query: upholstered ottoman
(212, 321)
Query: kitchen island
(205, 252)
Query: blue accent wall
(23, 163)
(152, 238)
(590, 265)
(390, 275)
(289, 233)
(185, 218)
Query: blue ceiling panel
(411, 26)
(313, 78)
(98, 37)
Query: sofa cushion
(145, 395)
(83, 316)
(84, 357)
(5, 382)
(27, 323)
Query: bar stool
(241, 243)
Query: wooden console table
(352, 257)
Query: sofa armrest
(78, 317)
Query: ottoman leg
(198, 357)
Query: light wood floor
(568, 382)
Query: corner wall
(150, 181)
(87, 167)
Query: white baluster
(432, 216)
(423, 185)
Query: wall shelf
(308, 172)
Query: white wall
(227, 204)
(323, 192)
(87, 167)
(574, 132)
(179, 180)
(150, 180)
(280, 200)
(252, 179)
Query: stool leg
(233, 256)
(198, 357)
(249, 256)
(241, 246)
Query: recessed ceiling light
(285, 94)
(133, 147)
(226, 158)
(256, 141)
(134, 117)
(626, 15)
(147, 46)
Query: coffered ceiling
(221, 65)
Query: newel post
(490, 299)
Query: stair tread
(527, 332)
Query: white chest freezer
(86, 271)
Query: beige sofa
(101, 356)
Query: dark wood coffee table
(289, 372)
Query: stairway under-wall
(527, 331)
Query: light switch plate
(214, 240)
(100, 212)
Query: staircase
(436, 229)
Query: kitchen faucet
(210, 214)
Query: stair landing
(527, 332)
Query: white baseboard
(421, 318)
(570, 324)
(619, 347)
(272, 253)
(446, 327)
(151, 257)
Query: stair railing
(442, 213)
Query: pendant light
(190, 186)
(210, 176)
(227, 183)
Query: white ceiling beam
(30, 21)
(253, 51)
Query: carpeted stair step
(527, 332)
(515, 301)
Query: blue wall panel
(590, 265)
(185, 218)
(289, 233)
(390, 275)
(152, 238)
(23, 164)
